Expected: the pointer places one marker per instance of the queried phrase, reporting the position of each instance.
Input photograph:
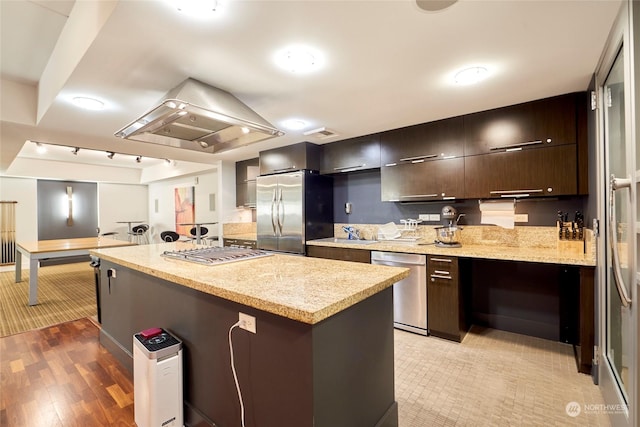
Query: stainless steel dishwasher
(409, 294)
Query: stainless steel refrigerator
(292, 208)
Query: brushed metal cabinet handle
(437, 276)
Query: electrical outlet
(423, 217)
(111, 272)
(248, 323)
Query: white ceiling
(387, 64)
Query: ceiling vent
(321, 133)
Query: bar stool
(169, 236)
(203, 232)
(139, 234)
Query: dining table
(57, 248)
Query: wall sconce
(110, 154)
(70, 197)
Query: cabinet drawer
(342, 254)
(441, 268)
(429, 180)
(547, 171)
(251, 244)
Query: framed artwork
(185, 208)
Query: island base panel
(338, 372)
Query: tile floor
(492, 378)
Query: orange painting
(185, 209)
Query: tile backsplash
(520, 236)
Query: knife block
(570, 245)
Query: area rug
(65, 292)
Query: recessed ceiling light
(294, 124)
(470, 75)
(434, 5)
(299, 59)
(40, 148)
(88, 103)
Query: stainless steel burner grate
(215, 256)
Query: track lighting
(75, 151)
(167, 162)
(138, 159)
(110, 154)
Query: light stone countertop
(241, 236)
(527, 254)
(307, 290)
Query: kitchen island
(322, 354)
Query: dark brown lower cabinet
(342, 254)
(446, 299)
(239, 243)
(549, 171)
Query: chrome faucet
(352, 233)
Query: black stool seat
(169, 236)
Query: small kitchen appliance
(447, 235)
(157, 379)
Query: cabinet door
(443, 298)
(500, 129)
(555, 119)
(246, 173)
(428, 180)
(545, 122)
(353, 154)
(304, 155)
(549, 171)
(435, 140)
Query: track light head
(110, 154)
(75, 151)
(138, 159)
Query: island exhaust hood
(199, 117)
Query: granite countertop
(241, 236)
(307, 290)
(527, 254)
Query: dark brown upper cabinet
(424, 181)
(246, 173)
(541, 123)
(437, 140)
(550, 171)
(353, 154)
(303, 155)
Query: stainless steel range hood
(199, 117)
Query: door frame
(620, 37)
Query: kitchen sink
(346, 241)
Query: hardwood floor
(61, 376)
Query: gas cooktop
(216, 255)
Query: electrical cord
(235, 375)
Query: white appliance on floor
(157, 379)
